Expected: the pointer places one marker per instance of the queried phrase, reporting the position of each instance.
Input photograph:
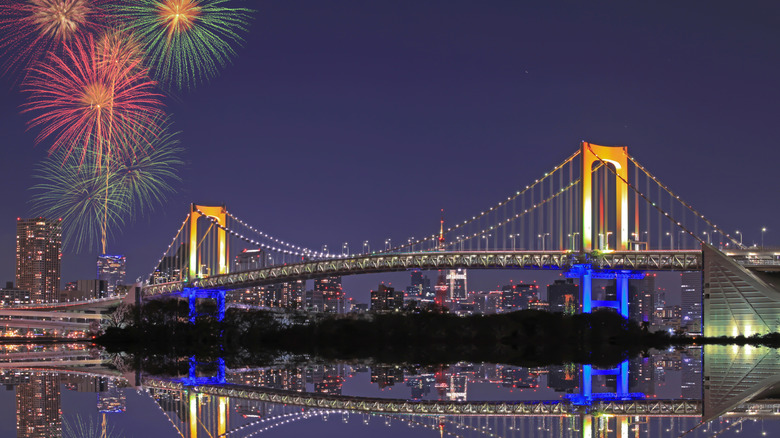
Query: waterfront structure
(111, 269)
(38, 258)
(11, 295)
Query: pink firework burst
(31, 28)
(92, 93)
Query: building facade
(386, 299)
(112, 269)
(38, 258)
(332, 294)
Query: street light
(709, 242)
(671, 240)
(345, 248)
(542, 236)
(388, 245)
(740, 237)
(571, 235)
(763, 230)
(485, 236)
(366, 247)
(512, 236)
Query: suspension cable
(681, 201)
(488, 211)
(657, 207)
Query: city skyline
(403, 93)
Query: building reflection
(39, 406)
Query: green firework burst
(82, 196)
(186, 41)
(85, 194)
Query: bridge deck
(397, 406)
(373, 263)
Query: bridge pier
(586, 274)
(193, 295)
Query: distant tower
(441, 232)
(38, 256)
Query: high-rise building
(691, 297)
(38, 257)
(563, 296)
(332, 294)
(641, 298)
(111, 269)
(458, 282)
(39, 407)
(386, 299)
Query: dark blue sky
(352, 120)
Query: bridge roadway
(655, 408)
(663, 260)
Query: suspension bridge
(598, 214)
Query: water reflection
(664, 394)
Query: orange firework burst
(29, 29)
(91, 93)
(60, 19)
(119, 51)
(178, 16)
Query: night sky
(353, 120)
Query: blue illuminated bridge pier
(598, 214)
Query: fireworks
(186, 41)
(93, 201)
(77, 193)
(93, 92)
(29, 29)
(86, 427)
(147, 174)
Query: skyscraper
(38, 256)
(458, 284)
(112, 270)
(332, 294)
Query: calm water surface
(75, 391)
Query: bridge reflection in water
(665, 394)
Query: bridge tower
(219, 215)
(616, 156)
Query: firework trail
(76, 192)
(186, 41)
(95, 203)
(92, 92)
(31, 28)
